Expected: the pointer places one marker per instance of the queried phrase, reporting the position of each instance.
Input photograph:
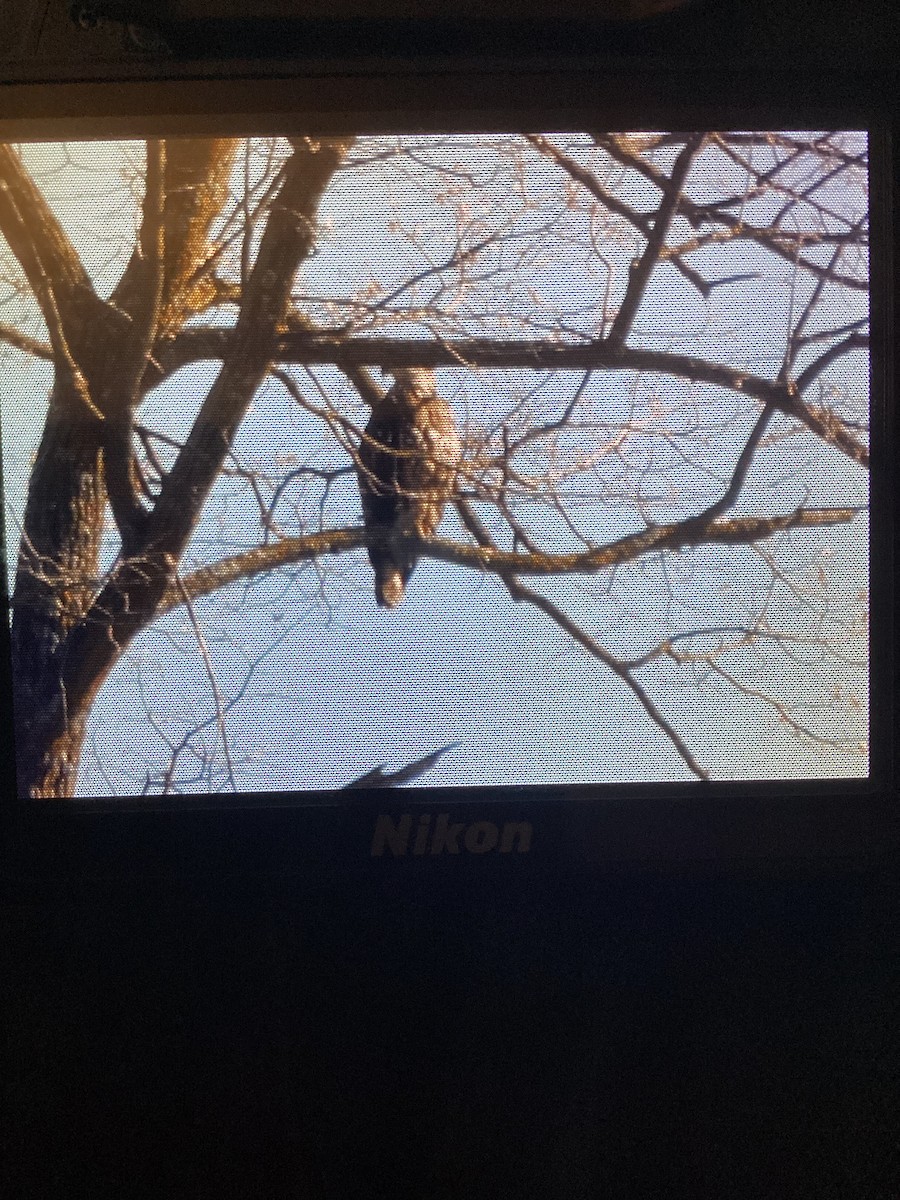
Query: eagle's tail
(390, 584)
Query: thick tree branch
(152, 246)
(855, 341)
(286, 552)
(197, 175)
(61, 285)
(288, 238)
(674, 536)
(123, 387)
(70, 386)
(193, 345)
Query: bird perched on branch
(407, 465)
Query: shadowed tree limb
(379, 777)
(643, 267)
(193, 345)
(123, 395)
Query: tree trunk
(55, 585)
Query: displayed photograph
(424, 460)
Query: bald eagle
(406, 464)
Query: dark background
(482, 1032)
(39, 40)
(624, 1038)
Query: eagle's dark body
(407, 465)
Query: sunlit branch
(124, 478)
(641, 221)
(70, 384)
(36, 237)
(194, 188)
(741, 635)
(780, 241)
(674, 536)
(768, 181)
(206, 580)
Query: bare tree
(656, 347)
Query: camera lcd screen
(456, 460)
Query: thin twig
(520, 592)
(211, 675)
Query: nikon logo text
(438, 835)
